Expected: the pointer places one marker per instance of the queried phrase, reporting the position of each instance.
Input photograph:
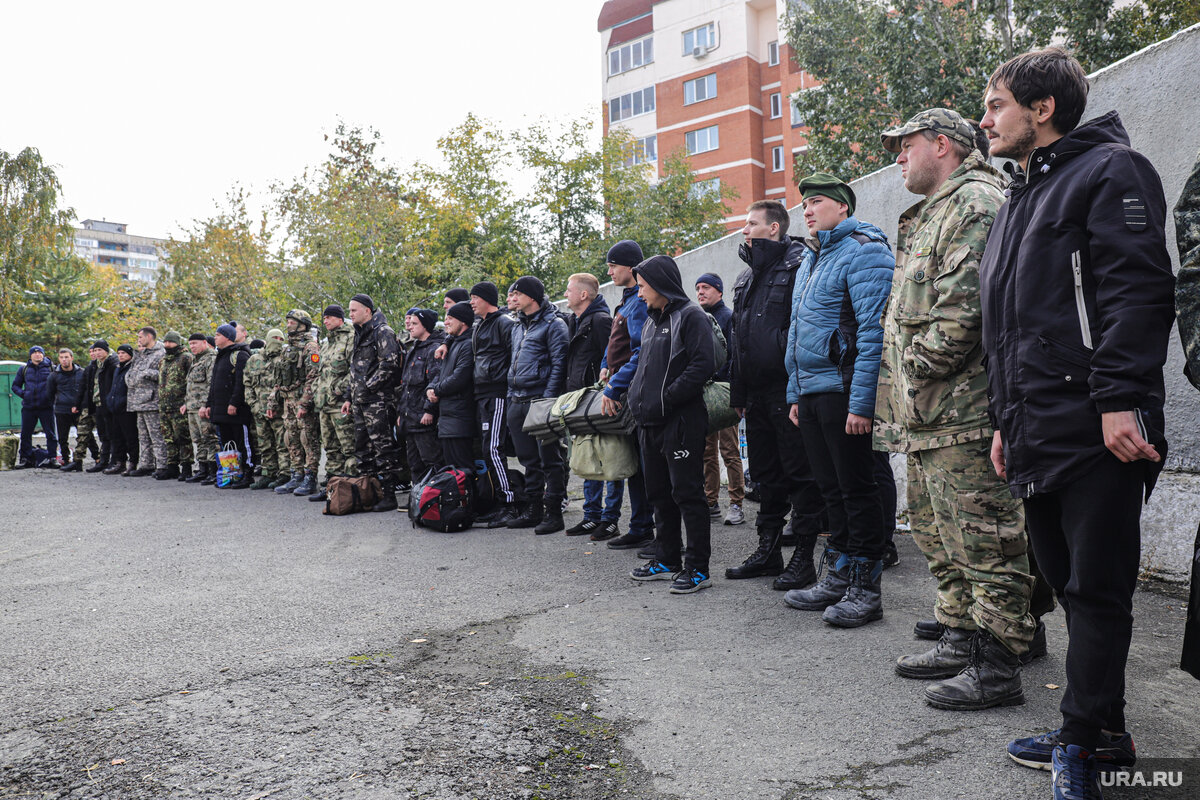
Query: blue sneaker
(690, 581)
(654, 571)
(1115, 752)
(1074, 774)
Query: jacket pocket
(836, 347)
(1066, 363)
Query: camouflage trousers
(91, 434)
(152, 448)
(337, 435)
(203, 436)
(303, 437)
(177, 436)
(272, 454)
(375, 444)
(972, 533)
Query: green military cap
(173, 336)
(826, 185)
(939, 120)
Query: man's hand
(741, 412)
(183, 410)
(346, 409)
(608, 406)
(231, 410)
(431, 395)
(856, 425)
(74, 410)
(440, 353)
(300, 412)
(270, 413)
(794, 414)
(604, 375)
(1124, 440)
(427, 419)
(203, 413)
(998, 456)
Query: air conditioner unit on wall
(699, 51)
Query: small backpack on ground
(442, 501)
(345, 495)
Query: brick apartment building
(713, 77)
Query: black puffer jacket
(118, 393)
(677, 356)
(589, 339)
(453, 386)
(1078, 301)
(105, 369)
(228, 388)
(539, 355)
(65, 388)
(420, 369)
(762, 311)
(375, 362)
(491, 343)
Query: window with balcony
(702, 141)
(704, 88)
(630, 56)
(631, 105)
(700, 40)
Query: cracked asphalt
(167, 640)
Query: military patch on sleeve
(1135, 212)
(315, 358)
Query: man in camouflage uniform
(301, 361)
(201, 431)
(374, 369)
(172, 393)
(142, 384)
(932, 405)
(333, 388)
(260, 377)
(1187, 280)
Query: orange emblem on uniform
(315, 358)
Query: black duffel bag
(575, 413)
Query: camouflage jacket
(198, 379)
(172, 380)
(259, 378)
(297, 376)
(932, 385)
(1187, 280)
(333, 380)
(375, 362)
(142, 378)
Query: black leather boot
(530, 518)
(552, 522)
(200, 474)
(992, 678)
(116, 469)
(929, 629)
(948, 657)
(388, 501)
(766, 560)
(185, 472)
(863, 601)
(829, 589)
(799, 572)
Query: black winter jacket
(65, 388)
(453, 386)
(32, 385)
(491, 343)
(589, 339)
(228, 388)
(420, 369)
(762, 312)
(114, 401)
(1078, 301)
(106, 369)
(539, 355)
(375, 362)
(676, 357)
(724, 317)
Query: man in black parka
(452, 390)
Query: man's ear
(1043, 110)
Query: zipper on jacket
(1085, 327)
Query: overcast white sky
(152, 110)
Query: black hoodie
(677, 356)
(1078, 301)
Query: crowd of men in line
(1011, 346)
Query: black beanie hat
(364, 300)
(458, 294)
(531, 287)
(102, 345)
(335, 311)
(427, 317)
(257, 344)
(487, 292)
(463, 313)
(626, 253)
(126, 348)
(197, 337)
(211, 341)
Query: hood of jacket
(377, 320)
(761, 253)
(1105, 129)
(848, 226)
(597, 305)
(662, 274)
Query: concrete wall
(1158, 98)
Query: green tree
(58, 310)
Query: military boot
(116, 468)
(388, 501)
(766, 560)
(289, 487)
(307, 486)
(552, 521)
(169, 474)
(992, 678)
(530, 518)
(829, 589)
(799, 572)
(211, 477)
(264, 482)
(200, 474)
(99, 466)
(863, 601)
(320, 497)
(948, 657)
(279, 480)
(185, 471)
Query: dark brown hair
(1051, 72)
(775, 212)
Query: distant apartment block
(714, 77)
(136, 258)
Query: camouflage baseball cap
(939, 120)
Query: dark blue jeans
(610, 493)
(30, 417)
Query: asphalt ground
(160, 639)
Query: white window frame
(772, 54)
(632, 55)
(777, 161)
(797, 120)
(705, 188)
(691, 38)
(643, 151)
(705, 85)
(776, 105)
(702, 140)
(632, 100)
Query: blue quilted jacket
(835, 337)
